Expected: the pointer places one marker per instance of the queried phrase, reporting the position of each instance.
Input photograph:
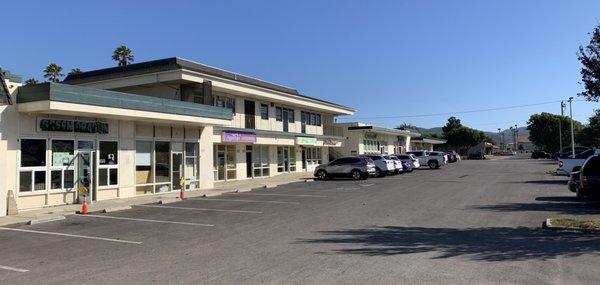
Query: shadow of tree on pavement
(481, 244)
(554, 205)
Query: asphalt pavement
(471, 222)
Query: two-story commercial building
(138, 129)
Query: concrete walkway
(58, 212)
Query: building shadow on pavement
(481, 244)
(553, 205)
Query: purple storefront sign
(239, 137)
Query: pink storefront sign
(239, 137)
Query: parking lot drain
(45, 220)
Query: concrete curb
(116, 209)
(168, 200)
(45, 220)
(547, 224)
(270, 185)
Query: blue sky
(384, 58)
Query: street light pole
(515, 136)
(499, 139)
(562, 113)
(572, 132)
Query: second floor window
(225, 102)
(279, 114)
(264, 111)
(310, 119)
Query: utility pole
(562, 113)
(515, 136)
(572, 132)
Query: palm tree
(53, 72)
(31, 81)
(75, 71)
(123, 55)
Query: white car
(383, 166)
(432, 159)
(566, 165)
(397, 163)
(409, 158)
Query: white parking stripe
(249, 201)
(145, 220)
(70, 235)
(200, 209)
(273, 194)
(13, 269)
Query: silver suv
(354, 167)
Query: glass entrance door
(176, 174)
(86, 168)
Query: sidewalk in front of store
(58, 212)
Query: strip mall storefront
(246, 154)
(65, 151)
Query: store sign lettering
(70, 126)
(239, 137)
(306, 141)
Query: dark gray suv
(353, 167)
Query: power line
(455, 113)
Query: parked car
(574, 179)
(433, 160)
(476, 155)
(383, 166)
(589, 178)
(567, 152)
(539, 154)
(407, 166)
(508, 152)
(397, 163)
(566, 164)
(453, 156)
(409, 158)
(353, 167)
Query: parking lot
(473, 221)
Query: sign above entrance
(306, 141)
(70, 126)
(240, 137)
(330, 142)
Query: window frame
(108, 167)
(264, 115)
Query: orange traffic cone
(181, 195)
(84, 208)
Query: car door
(333, 168)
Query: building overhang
(335, 140)
(429, 141)
(70, 100)
(381, 130)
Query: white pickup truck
(566, 165)
(433, 159)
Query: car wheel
(378, 172)
(322, 175)
(433, 164)
(356, 175)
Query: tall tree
(453, 124)
(75, 71)
(589, 57)
(53, 72)
(31, 81)
(543, 130)
(122, 55)
(590, 134)
(407, 126)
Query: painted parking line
(13, 269)
(144, 220)
(273, 194)
(70, 235)
(200, 209)
(247, 201)
(366, 185)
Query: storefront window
(260, 160)
(32, 173)
(191, 165)
(63, 152)
(162, 161)
(286, 159)
(143, 162)
(108, 170)
(313, 156)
